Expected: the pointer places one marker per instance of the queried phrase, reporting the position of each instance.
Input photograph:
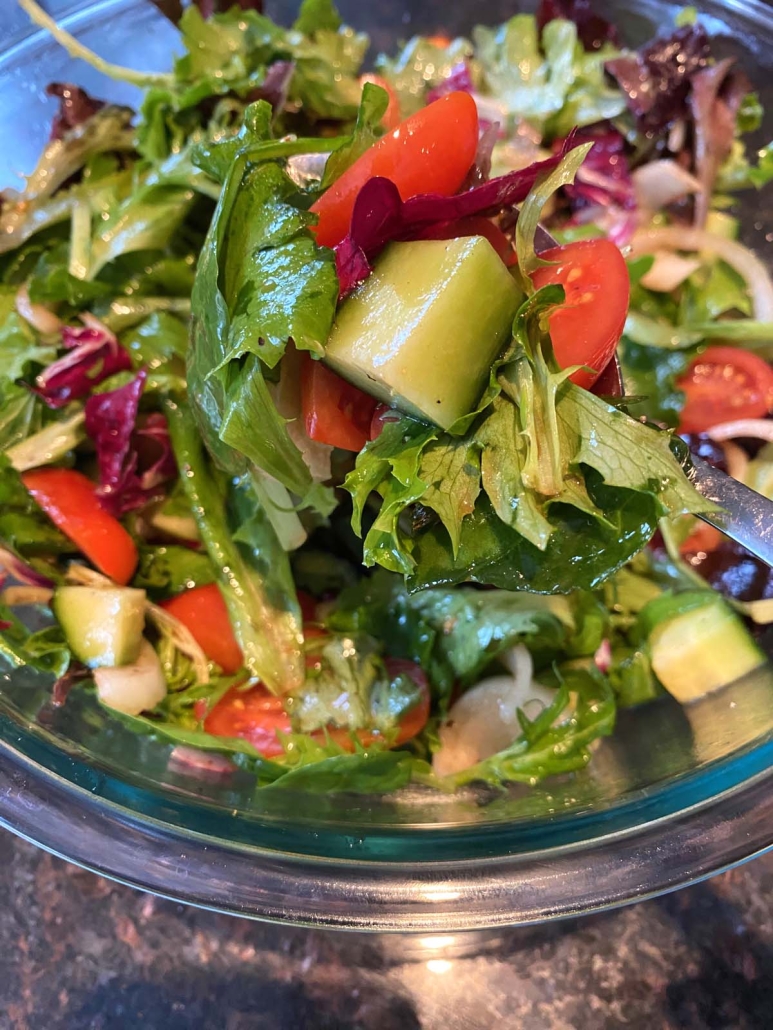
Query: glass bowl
(675, 795)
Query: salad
(314, 459)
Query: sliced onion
(205, 764)
(485, 719)
(19, 570)
(668, 271)
(659, 183)
(756, 428)
(20, 597)
(747, 264)
(737, 460)
(38, 316)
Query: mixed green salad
(313, 451)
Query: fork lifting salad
(309, 459)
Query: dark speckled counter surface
(77, 952)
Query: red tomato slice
(334, 411)
(475, 225)
(703, 538)
(391, 117)
(203, 611)
(586, 329)
(724, 384)
(430, 152)
(256, 715)
(70, 501)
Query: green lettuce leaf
(553, 743)
(19, 346)
(418, 67)
(44, 650)
(253, 572)
(555, 86)
(168, 569)
(261, 279)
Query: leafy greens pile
(159, 284)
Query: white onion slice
(648, 241)
(668, 271)
(757, 428)
(38, 316)
(659, 183)
(737, 460)
(485, 718)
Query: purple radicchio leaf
(380, 215)
(593, 31)
(275, 86)
(656, 80)
(458, 80)
(93, 355)
(127, 481)
(715, 98)
(19, 570)
(210, 7)
(603, 191)
(75, 107)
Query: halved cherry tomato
(203, 611)
(703, 539)
(70, 501)
(474, 225)
(256, 715)
(586, 329)
(439, 40)
(724, 384)
(430, 152)
(391, 118)
(334, 411)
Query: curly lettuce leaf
(551, 82)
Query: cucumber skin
(103, 626)
(702, 650)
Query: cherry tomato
(203, 611)
(704, 538)
(475, 225)
(724, 384)
(439, 40)
(256, 715)
(430, 152)
(70, 500)
(586, 329)
(391, 118)
(334, 411)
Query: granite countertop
(80, 952)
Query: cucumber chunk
(102, 626)
(423, 331)
(133, 688)
(701, 648)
